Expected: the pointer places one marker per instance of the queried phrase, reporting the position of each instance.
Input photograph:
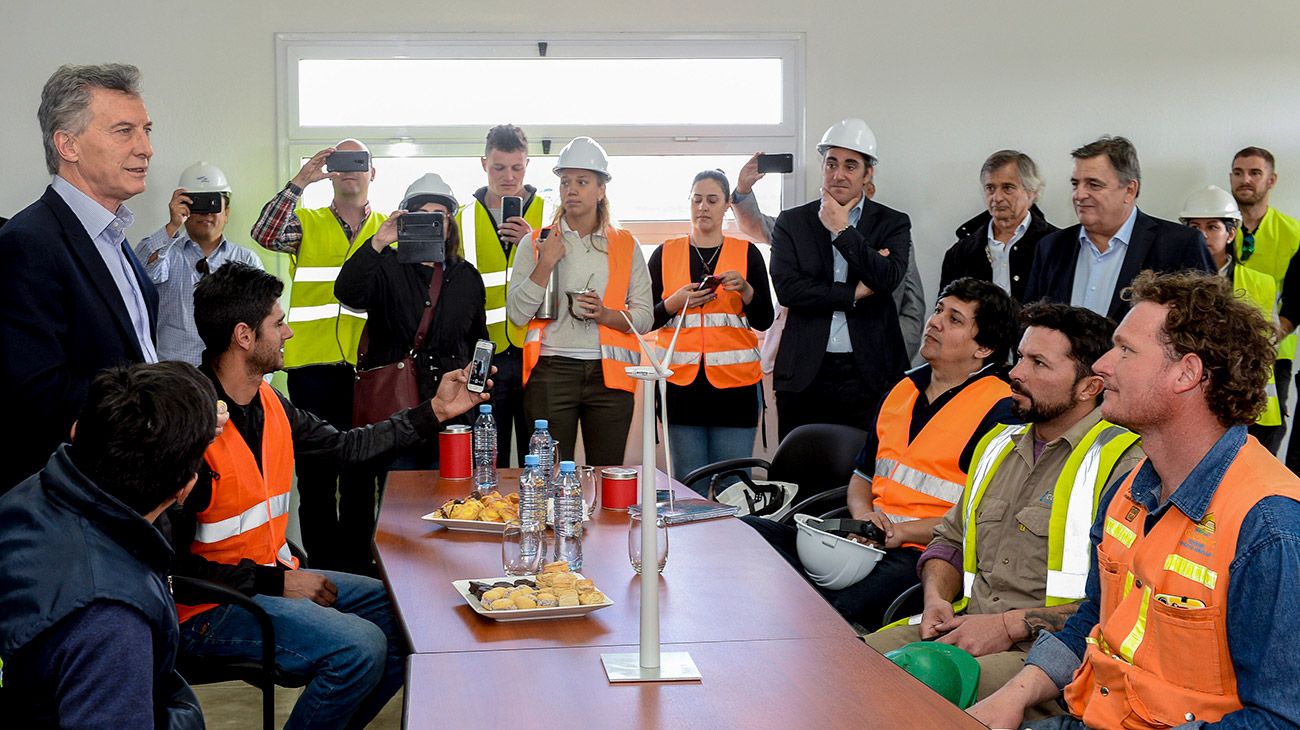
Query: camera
(205, 202)
(422, 238)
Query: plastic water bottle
(485, 450)
(568, 516)
(542, 445)
(532, 511)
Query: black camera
(205, 202)
(422, 238)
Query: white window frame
(295, 141)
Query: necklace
(708, 265)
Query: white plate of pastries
(554, 593)
(477, 512)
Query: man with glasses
(1266, 241)
(190, 246)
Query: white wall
(942, 83)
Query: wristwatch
(841, 231)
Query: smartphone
(512, 206)
(709, 283)
(205, 202)
(348, 161)
(776, 163)
(422, 238)
(480, 366)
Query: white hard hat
(830, 560)
(850, 134)
(1210, 202)
(204, 177)
(430, 185)
(584, 153)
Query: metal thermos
(550, 308)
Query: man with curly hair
(1190, 601)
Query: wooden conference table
(771, 651)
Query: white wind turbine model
(650, 665)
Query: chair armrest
(296, 550)
(898, 604)
(725, 468)
(210, 592)
(817, 503)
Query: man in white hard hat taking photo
(191, 245)
(835, 263)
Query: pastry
(493, 595)
(564, 581)
(568, 599)
(546, 600)
(520, 591)
(502, 604)
(584, 585)
(559, 566)
(525, 600)
(592, 598)
(467, 511)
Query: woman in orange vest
(717, 288)
(575, 364)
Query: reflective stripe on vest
(324, 332)
(618, 350)
(1160, 646)
(923, 479)
(1260, 289)
(481, 247)
(1075, 493)
(719, 329)
(1276, 241)
(248, 513)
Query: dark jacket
(1157, 245)
(62, 320)
(66, 544)
(802, 272)
(394, 296)
(969, 255)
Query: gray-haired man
(75, 300)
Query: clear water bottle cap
(540, 423)
(567, 467)
(485, 408)
(530, 459)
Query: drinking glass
(590, 489)
(634, 542)
(523, 550)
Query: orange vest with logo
(717, 332)
(1159, 655)
(924, 478)
(618, 350)
(249, 510)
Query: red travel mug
(617, 488)
(455, 446)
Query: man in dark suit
(75, 298)
(835, 263)
(1090, 264)
(998, 245)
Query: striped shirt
(278, 229)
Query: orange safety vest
(249, 510)
(718, 330)
(1159, 655)
(924, 478)
(618, 350)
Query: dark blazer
(969, 255)
(1159, 245)
(802, 271)
(62, 320)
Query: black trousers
(1271, 436)
(863, 603)
(838, 394)
(508, 405)
(571, 393)
(336, 505)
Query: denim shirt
(1263, 601)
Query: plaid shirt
(278, 229)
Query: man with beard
(338, 629)
(1016, 545)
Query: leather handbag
(380, 392)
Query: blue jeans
(697, 446)
(353, 652)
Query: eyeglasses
(1247, 245)
(202, 266)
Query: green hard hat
(945, 669)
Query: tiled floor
(238, 706)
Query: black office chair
(819, 457)
(261, 673)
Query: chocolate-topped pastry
(525, 582)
